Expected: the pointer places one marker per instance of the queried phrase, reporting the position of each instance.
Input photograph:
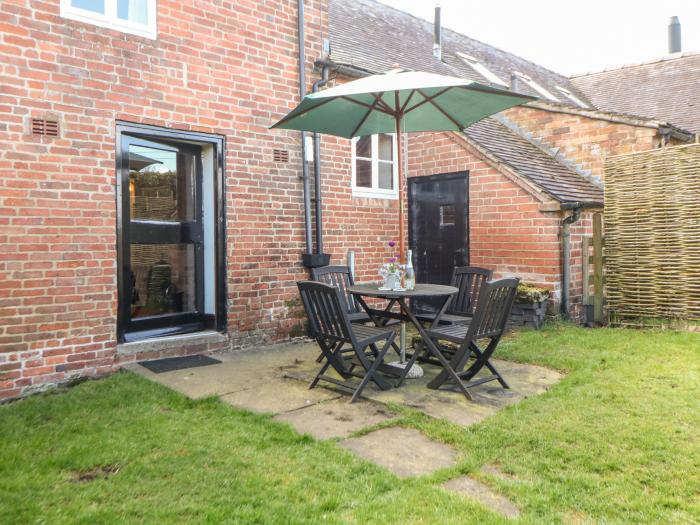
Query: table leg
(380, 321)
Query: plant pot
(392, 281)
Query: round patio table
(399, 297)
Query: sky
(568, 36)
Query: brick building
(146, 209)
(528, 168)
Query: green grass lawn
(617, 441)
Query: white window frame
(481, 69)
(375, 192)
(110, 20)
(534, 85)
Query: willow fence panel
(652, 233)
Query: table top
(421, 290)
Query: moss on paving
(616, 441)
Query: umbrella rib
(386, 106)
(369, 111)
(459, 126)
(364, 104)
(290, 116)
(410, 96)
(427, 99)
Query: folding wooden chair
(330, 325)
(488, 323)
(469, 280)
(341, 278)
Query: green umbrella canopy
(420, 101)
(399, 102)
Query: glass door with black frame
(162, 238)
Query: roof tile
(666, 90)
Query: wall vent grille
(47, 128)
(280, 155)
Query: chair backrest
(493, 309)
(469, 280)
(341, 278)
(325, 310)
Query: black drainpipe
(322, 259)
(304, 164)
(566, 253)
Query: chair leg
(372, 369)
(332, 354)
(448, 372)
(482, 359)
(320, 373)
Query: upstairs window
(573, 98)
(481, 69)
(534, 85)
(374, 166)
(136, 17)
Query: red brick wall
(583, 140)
(508, 233)
(232, 74)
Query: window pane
(133, 10)
(160, 184)
(363, 173)
(386, 150)
(386, 175)
(162, 279)
(363, 147)
(447, 215)
(96, 6)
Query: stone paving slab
(525, 381)
(262, 369)
(337, 418)
(404, 451)
(238, 371)
(277, 396)
(482, 493)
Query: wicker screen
(652, 235)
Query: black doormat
(169, 364)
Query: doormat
(170, 364)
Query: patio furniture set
(355, 337)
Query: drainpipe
(325, 70)
(304, 164)
(566, 254)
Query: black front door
(438, 226)
(162, 232)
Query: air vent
(48, 128)
(280, 155)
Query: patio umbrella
(398, 102)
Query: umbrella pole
(399, 139)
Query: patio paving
(524, 380)
(404, 451)
(336, 418)
(275, 379)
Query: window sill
(370, 194)
(171, 342)
(145, 32)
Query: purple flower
(392, 244)
(393, 260)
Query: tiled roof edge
(552, 152)
(536, 190)
(621, 118)
(665, 58)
